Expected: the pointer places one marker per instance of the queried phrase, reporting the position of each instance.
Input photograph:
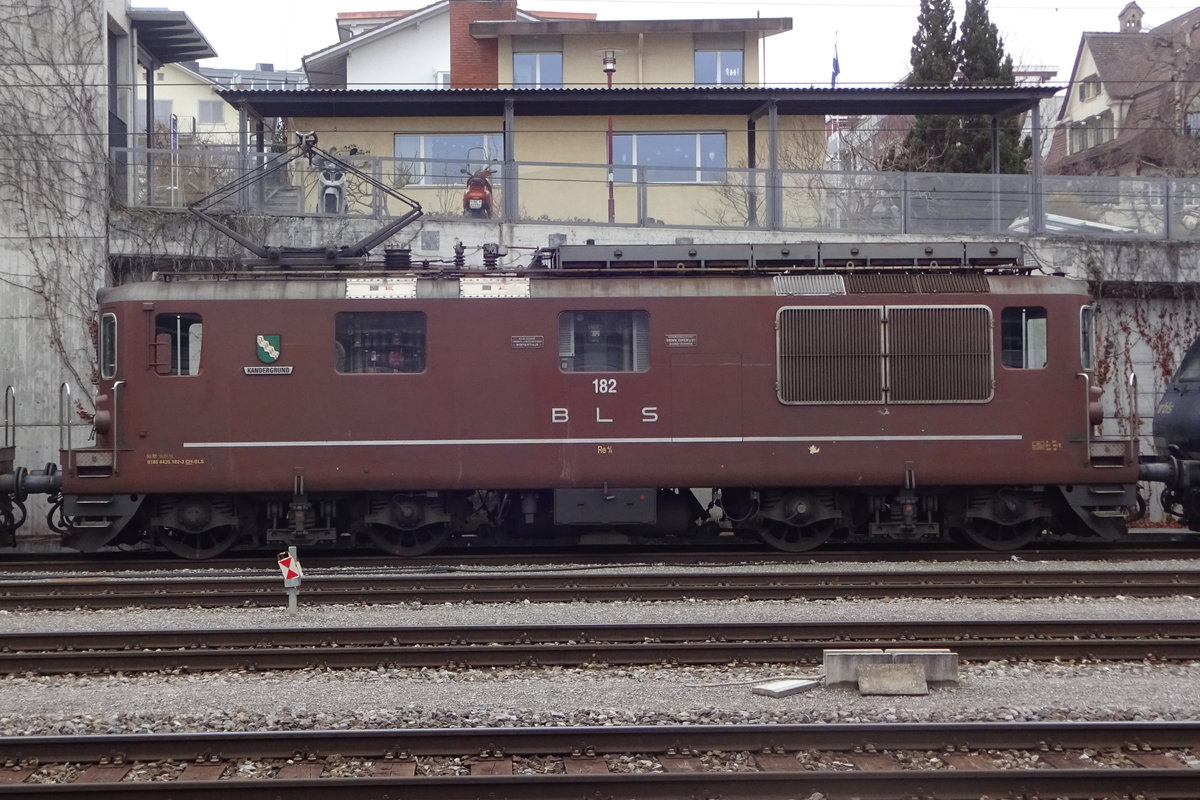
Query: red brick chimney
(474, 62)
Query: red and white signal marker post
(289, 565)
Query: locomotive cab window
(1023, 337)
(108, 346)
(379, 342)
(1087, 333)
(177, 341)
(603, 341)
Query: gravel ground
(320, 698)
(578, 696)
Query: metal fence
(794, 200)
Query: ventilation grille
(945, 282)
(896, 283)
(939, 355)
(809, 284)
(830, 355)
(907, 283)
(885, 355)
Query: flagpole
(836, 67)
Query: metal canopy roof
(169, 36)
(485, 29)
(1000, 101)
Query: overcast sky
(873, 36)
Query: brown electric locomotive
(797, 393)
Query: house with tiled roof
(465, 46)
(1133, 103)
(482, 44)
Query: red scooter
(477, 199)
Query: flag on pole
(836, 69)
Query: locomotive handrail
(1087, 416)
(116, 417)
(10, 417)
(1133, 415)
(1135, 419)
(64, 424)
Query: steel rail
(568, 645)
(1132, 736)
(1162, 784)
(573, 585)
(773, 740)
(1185, 546)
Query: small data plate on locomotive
(389, 288)
(498, 286)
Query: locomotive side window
(1087, 332)
(604, 341)
(379, 342)
(177, 340)
(108, 346)
(1023, 338)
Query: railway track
(570, 645)
(1060, 759)
(217, 590)
(1167, 545)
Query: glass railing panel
(1102, 207)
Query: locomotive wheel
(415, 542)
(199, 546)
(993, 536)
(793, 539)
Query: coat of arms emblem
(268, 347)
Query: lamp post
(610, 66)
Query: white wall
(406, 59)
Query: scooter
(477, 199)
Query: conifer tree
(933, 56)
(976, 58)
(934, 62)
(983, 62)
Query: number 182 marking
(605, 385)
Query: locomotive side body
(401, 409)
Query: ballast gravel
(319, 698)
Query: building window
(163, 109)
(537, 70)
(1023, 337)
(1191, 123)
(212, 112)
(177, 340)
(441, 79)
(1091, 132)
(1088, 89)
(603, 341)
(437, 159)
(719, 67)
(669, 157)
(380, 342)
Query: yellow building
(186, 105)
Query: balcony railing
(795, 200)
